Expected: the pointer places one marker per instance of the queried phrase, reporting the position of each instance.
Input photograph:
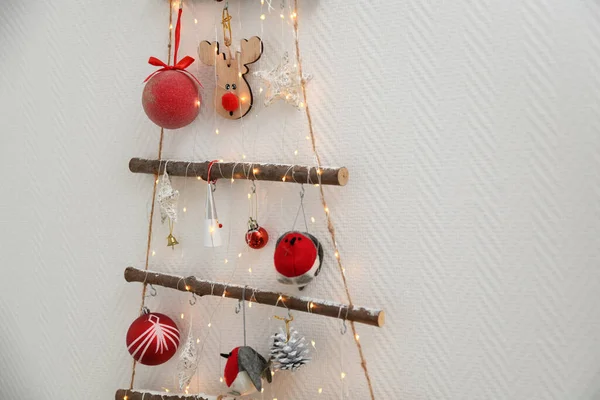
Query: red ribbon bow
(182, 64)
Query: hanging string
(330, 227)
(160, 147)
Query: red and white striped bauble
(152, 339)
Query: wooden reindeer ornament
(233, 96)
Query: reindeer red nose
(230, 102)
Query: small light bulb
(301, 105)
(308, 138)
(282, 16)
(167, 390)
(316, 185)
(327, 209)
(272, 373)
(181, 315)
(156, 181)
(240, 255)
(221, 379)
(184, 209)
(250, 304)
(198, 340)
(198, 178)
(255, 171)
(320, 390)
(312, 342)
(250, 270)
(232, 180)
(221, 160)
(249, 196)
(312, 219)
(280, 298)
(296, 152)
(343, 270)
(263, 16)
(224, 293)
(171, 27)
(217, 131)
(209, 325)
(195, 21)
(343, 375)
(243, 156)
(293, 15)
(356, 337)
(260, 90)
(239, 74)
(187, 287)
(312, 305)
(283, 179)
(153, 253)
(125, 397)
(262, 390)
(337, 255)
(226, 261)
(197, 103)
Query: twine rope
(330, 226)
(160, 147)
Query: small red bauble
(171, 99)
(257, 238)
(152, 339)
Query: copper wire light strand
(155, 184)
(330, 227)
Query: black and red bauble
(298, 258)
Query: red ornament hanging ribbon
(182, 64)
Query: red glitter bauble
(152, 339)
(171, 99)
(230, 102)
(257, 238)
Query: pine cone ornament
(289, 354)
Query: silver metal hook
(194, 299)
(238, 308)
(152, 290)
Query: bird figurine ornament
(244, 371)
(298, 258)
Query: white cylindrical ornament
(212, 227)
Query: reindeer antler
(209, 53)
(251, 51)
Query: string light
(187, 287)
(250, 304)
(327, 209)
(153, 253)
(255, 171)
(198, 178)
(217, 131)
(226, 261)
(343, 375)
(263, 16)
(125, 397)
(312, 219)
(240, 255)
(296, 152)
(197, 103)
(337, 255)
(244, 156)
(356, 337)
(181, 315)
(156, 181)
(282, 16)
(250, 269)
(249, 196)
(198, 340)
(260, 90)
(293, 15)
(313, 343)
(320, 390)
(195, 21)
(232, 180)
(209, 325)
(184, 209)
(171, 27)
(283, 179)
(224, 293)
(221, 379)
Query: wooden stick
(244, 170)
(127, 394)
(206, 288)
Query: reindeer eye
(227, 86)
(233, 86)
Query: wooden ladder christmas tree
(171, 100)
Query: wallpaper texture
(470, 130)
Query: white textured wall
(478, 234)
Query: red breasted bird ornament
(257, 237)
(152, 339)
(298, 258)
(245, 370)
(171, 96)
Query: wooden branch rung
(127, 394)
(207, 288)
(244, 170)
